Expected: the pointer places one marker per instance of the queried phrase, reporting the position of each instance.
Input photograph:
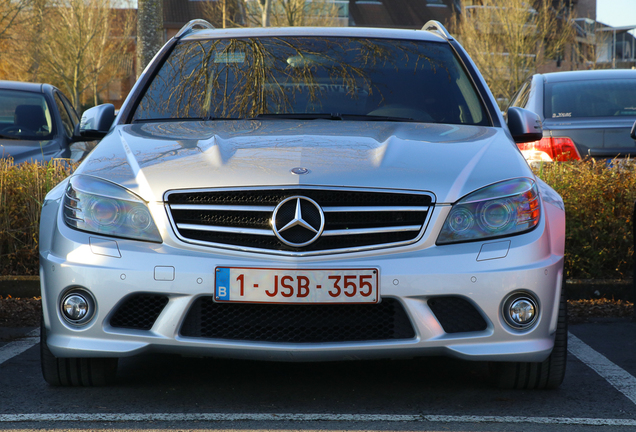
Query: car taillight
(550, 149)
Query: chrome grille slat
(372, 209)
(223, 207)
(354, 219)
(213, 228)
(371, 230)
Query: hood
(152, 158)
(26, 151)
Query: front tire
(548, 374)
(74, 372)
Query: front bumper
(483, 273)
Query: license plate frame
(296, 286)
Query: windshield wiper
(168, 119)
(300, 116)
(364, 117)
(333, 116)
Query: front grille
(297, 323)
(457, 315)
(139, 311)
(353, 219)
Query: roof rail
(438, 27)
(189, 27)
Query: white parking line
(216, 417)
(620, 379)
(15, 348)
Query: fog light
(520, 310)
(77, 306)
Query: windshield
(591, 98)
(24, 116)
(312, 78)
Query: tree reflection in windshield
(327, 76)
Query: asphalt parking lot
(167, 392)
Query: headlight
(502, 209)
(98, 206)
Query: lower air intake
(457, 315)
(139, 311)
(297, 323)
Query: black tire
(548, 374)
(74, 372)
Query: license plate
(251, 285)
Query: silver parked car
(306, 194)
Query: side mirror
(633, 134)
(524, 125)
(96, 122)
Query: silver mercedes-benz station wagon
(305, 194)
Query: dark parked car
(37, 122)
(584, 114)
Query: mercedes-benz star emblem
(299, 170)
(298, 221)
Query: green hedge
(599, 202)
(22, 191)
(599, 205)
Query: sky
(616, 13)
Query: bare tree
(11, 14)
(111, 56)
(292, 12)
(239, 13)
(266, 8)
(36, 16)
(225, 13)
(303, 13)
(14, 14)
(149, 31)
(510, 40)
(77, 45)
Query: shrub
(22, 191)
(599, 203)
